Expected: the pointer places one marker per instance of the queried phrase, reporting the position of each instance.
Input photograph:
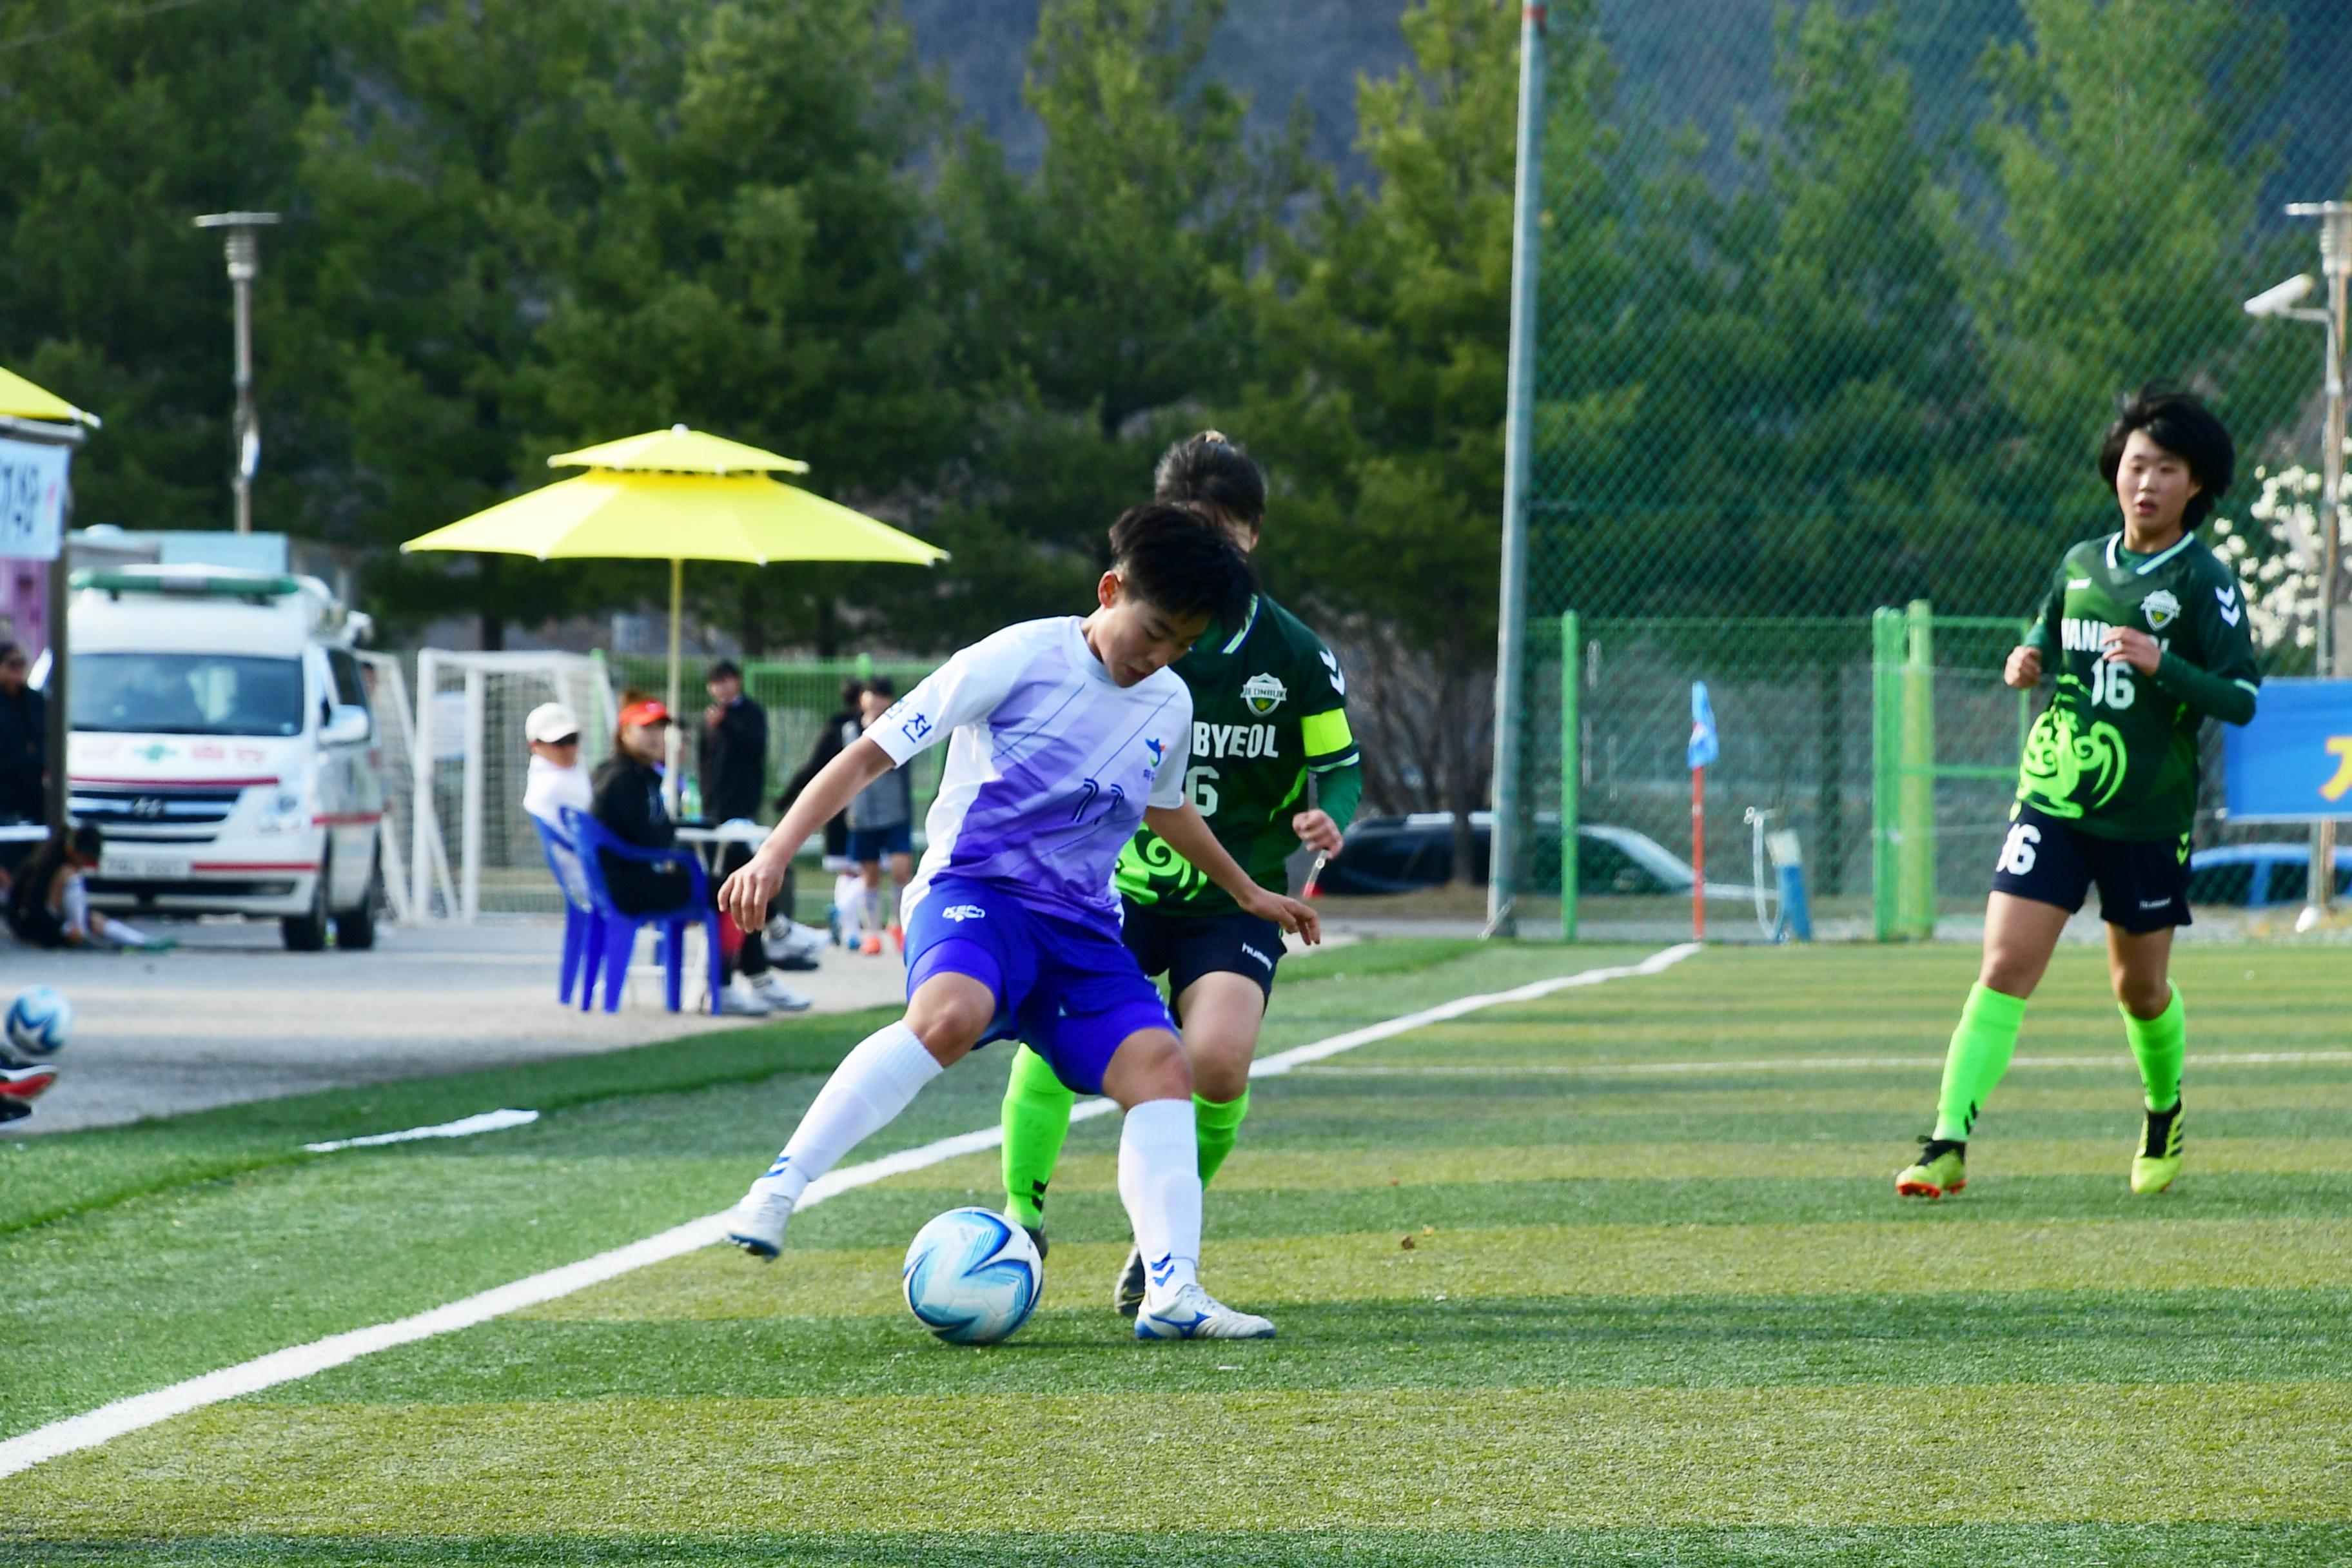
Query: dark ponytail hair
(1209, 469)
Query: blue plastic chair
(615, 937)
(581, 927)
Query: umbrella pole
(676, 606)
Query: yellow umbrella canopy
(678, 450)
(677, 495)
(624, 515)
(21, 399)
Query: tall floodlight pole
(1527, 211)
(243, 247)
(2336, 270)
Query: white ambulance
(223, 739)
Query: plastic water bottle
(689, 799)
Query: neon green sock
(2161, 1043)
(1037, 1120)
(1979, 1056)
(1217, 1124)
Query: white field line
(1812, 1064)
(463, 1127)
(296, 1362)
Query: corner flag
(1704, 748)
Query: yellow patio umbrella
(20, 399)
(677, 495)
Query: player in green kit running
(2145, 634)
(1269, 714)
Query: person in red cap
(629, 804)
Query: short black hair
(850, 689)
(1210, 469)
(883, 686)
(723, 669)
(1173, 558)
(87, 840)
(2184, 427)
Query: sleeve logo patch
(1339, 681)
(1264, 693)
(2160, 608)
(2231, 608)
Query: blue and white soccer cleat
(1193, 1314)
(757, 1222)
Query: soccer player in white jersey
(1064, 735)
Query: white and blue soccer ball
(972, 1277)
(40, 1021)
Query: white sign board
(32, 499)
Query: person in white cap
(556, 779)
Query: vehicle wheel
(306, 932)
(355, 929)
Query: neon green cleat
(1940, 1171)
(2158, 1159)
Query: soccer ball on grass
(972, 1277)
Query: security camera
(2279, 299)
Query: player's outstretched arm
(1188, 833)
(745, 895)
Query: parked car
(2256, 875)
(221, 737)
(1399, 854)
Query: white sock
(873, 915)
(865, 1092)
(848, 896)
(895, 920)
(1159, 1182)
(122, 933)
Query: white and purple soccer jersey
(1050, 766)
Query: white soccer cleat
(757, 1222)
(779, 997)
(739, 998)
(1193, 1314)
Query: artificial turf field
(1661, 1304)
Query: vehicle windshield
(186, 694)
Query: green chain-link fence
(1854, 351)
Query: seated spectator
(556, 779)
(629, 803)
(48, 902)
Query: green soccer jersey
(2116, 751)
(1269, 708)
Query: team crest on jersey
(1264, 693)
(2160, 608)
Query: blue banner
(2293, 763)
(1704, 747)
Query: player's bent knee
(949, 1013)
(1149, 1064)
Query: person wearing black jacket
(23, 741)
(629, 803)
(733, 751)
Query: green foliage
(1089, 319)
(1381, 328)
(1873, 370)
(117, 132)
